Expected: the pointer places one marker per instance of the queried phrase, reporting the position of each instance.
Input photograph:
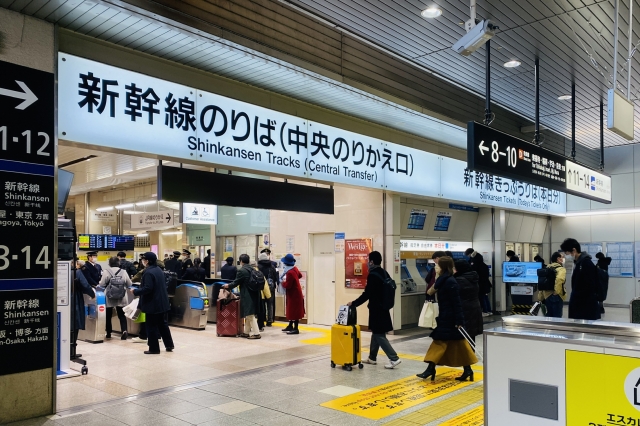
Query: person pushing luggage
(379, 317)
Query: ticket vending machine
(189, 305)
(96, 318)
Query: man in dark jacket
(206, 264)
(195, 272)
(154, 302)
(476, 261)
(603, 278)
(379, 318)
(92, 270)
(81, 287)
(228, 271)
(583, 302)
(174, 264)
(511, 255)
(126, 265)
(248, 299)
(271, 275)
(468, 287)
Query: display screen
(65, 179)
(520, 272)
(417, 218)
(106, 242)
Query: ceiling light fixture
(142, 235)
(124, 206)
(564, 97)
(172, 233)
(146, 203)
(241, 214)
(130, 212)
(602, 212)
(104, 209)
(512, 64)
(432, 12)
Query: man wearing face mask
(553, 299)
(92, 270)
(583, 302)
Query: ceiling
(569, 36)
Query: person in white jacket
(116, 277)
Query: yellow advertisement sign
(612, 397)
(391, 398)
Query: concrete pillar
(392, 251)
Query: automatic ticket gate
(213, 288)
(96, 318)
(189, 305)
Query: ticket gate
(213, 288)
(96, 318)
(189, 305)
(133, 328)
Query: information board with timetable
(622, 256)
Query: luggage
(229, 319)
(345, 346)
(471, 342)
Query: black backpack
(547, 278)
(117, 287)
(171, 281)
(256, 281)
(388, 291)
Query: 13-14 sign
(491, 151)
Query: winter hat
(150, 256)
(263, 256)
(288, 260)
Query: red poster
(356, 261)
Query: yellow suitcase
(345, 346)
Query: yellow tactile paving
(441, 409)
(474, 417)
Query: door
(323, 274)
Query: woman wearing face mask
(432, 276)
(448, 346)
(554, 299)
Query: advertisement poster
(339, 242)
(356, 259)
(617, 399)
(303, 286)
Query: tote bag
(428, 315)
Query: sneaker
(254, 337)
(294, 331)
(392, 364)
(262, 330)
(486, 314)
(269, 324)
(370, 361)
(138, 340)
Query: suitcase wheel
(333, 364)
(360, 366)
(347, 367)
(218, 335)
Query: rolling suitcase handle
(471, 342)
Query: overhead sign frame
(492, 151)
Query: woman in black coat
(468, 287)
(448, 346)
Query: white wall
(623, 164)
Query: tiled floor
(278, 380)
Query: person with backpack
(126, 265)
(115, 281)
(603, 278)
(476, 260)
(380, 292)
(294, 296)
(271, 274)
(551, 286)
(585, 286)
(251, 283)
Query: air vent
(142, 242)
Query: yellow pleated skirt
(453, 353)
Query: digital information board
(520, 272)
(106, 242)
(491, 151)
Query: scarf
(287, 268)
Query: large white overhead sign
(429, 245)
(149, 219)
(102, 105)
(203, 214)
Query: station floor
(277, 380)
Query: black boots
(429, 372)
(467, 374)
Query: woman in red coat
(295, 298)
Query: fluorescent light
(104, 209)
(142, 235)
(146, 203)
(564, 97)
(432, 12)
(240, 214)
(512, 64)
(130, 212)
(172, 233)
(124, 206)
(603, 212)
(342, 205)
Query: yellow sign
(473, 417)
(391, 398)
(613, 398)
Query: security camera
(476, 37)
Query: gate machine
(189, 305)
